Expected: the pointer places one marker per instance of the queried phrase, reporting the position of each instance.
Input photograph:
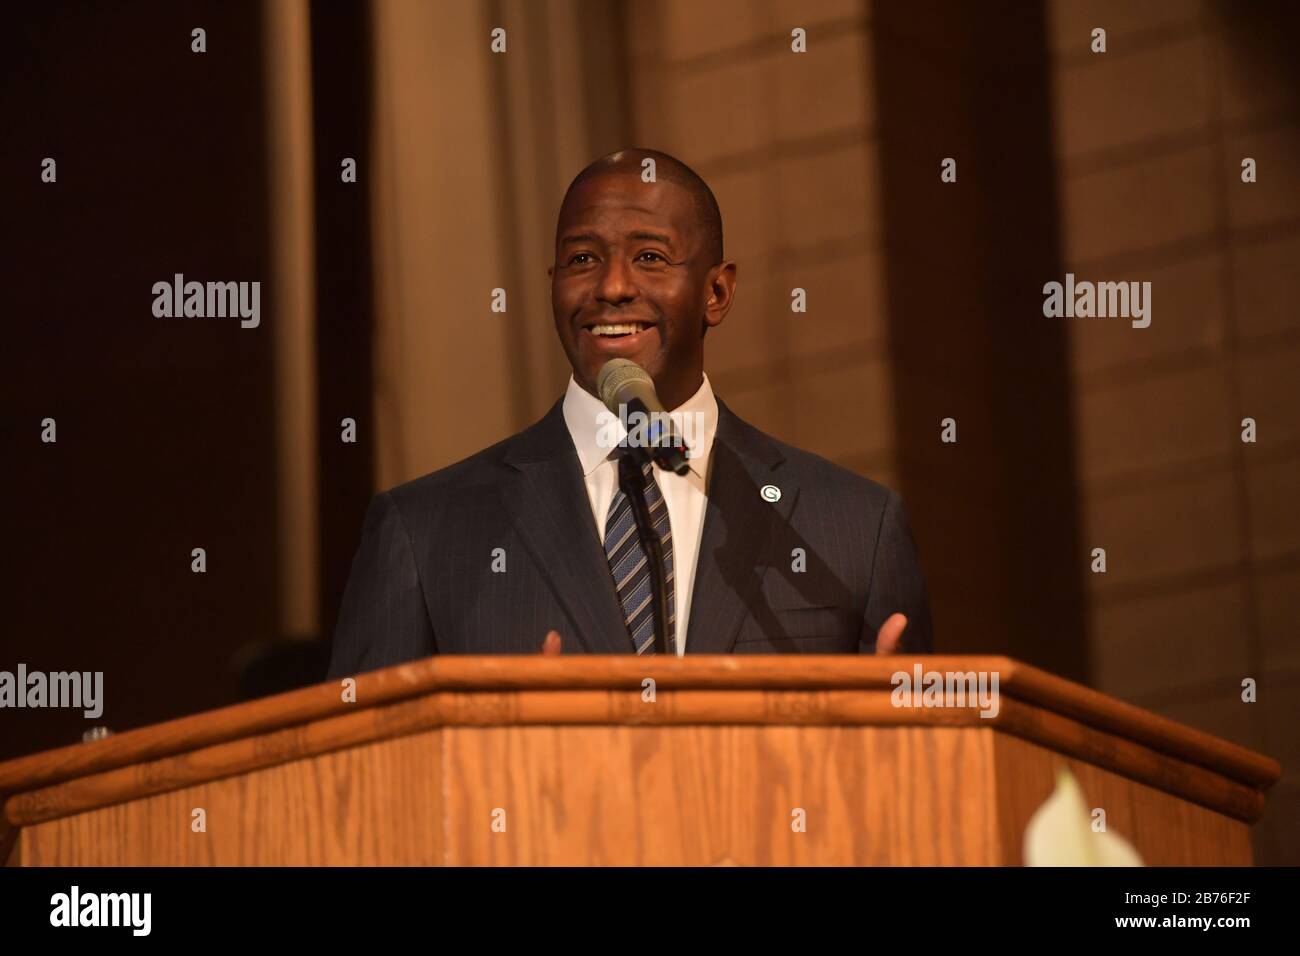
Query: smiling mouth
(619, 329)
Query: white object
(1060, 832)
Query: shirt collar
(592, 426)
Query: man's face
(630, 281)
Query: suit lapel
(738, 522)
(547, 499)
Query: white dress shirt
(591, 425)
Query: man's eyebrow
(579, 237)
(652, 236)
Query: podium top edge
(722, 672)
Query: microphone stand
(632, 482)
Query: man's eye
(574, 259)
(657, 256)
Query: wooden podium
(625, 760)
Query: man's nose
(616, 283)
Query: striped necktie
(631, 568)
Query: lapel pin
(770, 493)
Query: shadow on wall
(1265, 34)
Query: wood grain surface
(580, 767)
(648, 795)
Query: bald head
(708, 218)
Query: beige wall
(1202, 531)
(473, 151)
(437, 255)
(786, 142)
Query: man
(531, 545)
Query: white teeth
(625, 328)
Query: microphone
(626, 387)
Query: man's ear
(722, 293)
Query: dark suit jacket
(423, 583)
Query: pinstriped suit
(423, 583)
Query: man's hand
(887, 638)
(551, 645)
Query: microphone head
(622, 382)
(615, 375)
